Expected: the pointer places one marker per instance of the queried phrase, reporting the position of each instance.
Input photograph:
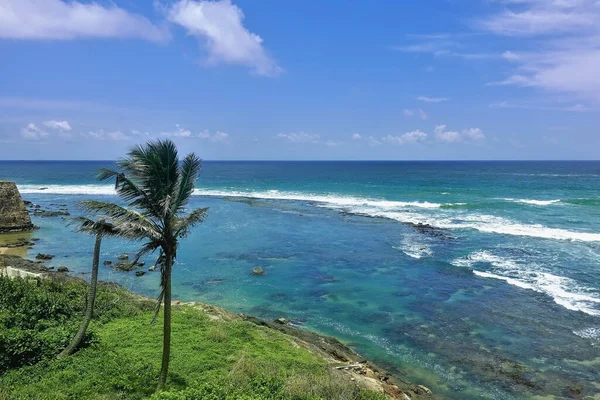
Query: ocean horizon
(479, 279)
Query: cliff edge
(13, 215)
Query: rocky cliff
(13, 215)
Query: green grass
(211, 359)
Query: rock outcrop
(13, 215)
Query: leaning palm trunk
(89, 310)
(164, 369)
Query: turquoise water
(499, 297)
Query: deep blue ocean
(496, 297)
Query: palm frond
(130, 223)
(98, 227)
(183, 225)
(190, 170)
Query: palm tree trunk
(89, 310)
(164, 370)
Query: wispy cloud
(101, 134)
(541, 106)
(218, 26)
(58, 125)
(62, 20)
(181, 132)
(432, 99)
(418, 112)
(566, 34)
(300, 137)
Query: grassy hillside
(213, 356)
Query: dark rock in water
(423, 390)
(27, 203)
(281, 321)
(48, 213)
(123, 256)
(41, 256)
(21, 242)
(257, 271)
(140, 273)
(13, 214)
(430, 230)
(152, 268)
(37, 206)
(43, 188)
(141, 264)
(35, 239)
(123, 266)
(63, 269)
(214, 281)
(107, 262)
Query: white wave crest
(564, 291)
(402, 211)
(533, 202)
(588, 333)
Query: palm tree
(157, 189)
(99, 228)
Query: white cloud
(356, 136)
(407, 138)
(447, 136)
(566, 39)
(408, 113)
(473, 134)
(432, 99)
(178, 132)
(101, 134)
(58, 125)
(468, 135)
(61, 20)
(32, 132)
(219, 26)
(214, 137)
(371, 141)
(300, 137)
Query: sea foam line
(533, 202)
(564, 291)
(402, 211)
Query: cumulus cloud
(567, 44)
(432, 99)
(181, 132)
(62, 20)
(58, 125)
(300, 137)
(356, 136)
(467, 135)
(214, 137)
(33, 132)
(178, 132)
(218, 25)
(407, 138)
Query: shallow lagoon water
(499, 299)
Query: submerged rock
(123, 266)
(50, 213)
(107, 262)
(41, 256)
(63, 269)
(13, 215)
(140, 273)
(123, 256)
(281, 321)
(152, 268)
(257, 271)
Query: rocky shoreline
(337, 355)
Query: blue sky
(431, 79)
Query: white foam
(533, 202)
(414, 248)
(564, 291)
(588, 333)
(402, 211)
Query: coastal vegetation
(217, 355)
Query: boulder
(152, 268)
(423, 390)
(107, 262)
(257, 271)
(141, 264)
(139, 273)
(123, 266)
(41, 256)
(281, 321)
(123, 256)
(13, 214)
(49, 213)
(63, 269)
